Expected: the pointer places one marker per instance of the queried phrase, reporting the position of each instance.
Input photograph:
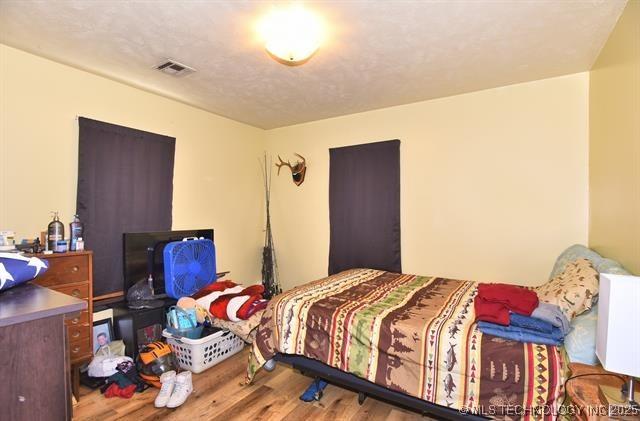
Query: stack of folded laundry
(515, 313)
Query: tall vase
(269, 263)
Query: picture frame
(102, 333)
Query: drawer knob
(75, 269)
(75, 292)
(75, 349)
(75, 320)
(75, 334)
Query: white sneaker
(181, 391)
(168, 381)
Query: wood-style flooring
(219, 393)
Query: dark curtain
(125, 184)
(364, 207)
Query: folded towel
(552, 314)
(522, 334)
(531, 323)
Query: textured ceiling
(378, 53)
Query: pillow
(574, 290)
(580, 343)
(16, 269)
(578, 251)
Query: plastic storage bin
(196, 355)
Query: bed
(411, 340)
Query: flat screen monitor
(135, 245)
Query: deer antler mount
(298, 170)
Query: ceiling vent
(174, 68)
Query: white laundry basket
(196, 355)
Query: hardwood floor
(219, 393)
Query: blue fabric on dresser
(520, 334)
(16, 269)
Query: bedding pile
(507, 311)
(412, 334)
(539, 315)
(227, 300)
(232, 307)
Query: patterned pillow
(574, 290)
(578, 251)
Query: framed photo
(102, 333)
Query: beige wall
(614, 166)
(494, 184)
(216, 180)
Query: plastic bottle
(55, 231)
(76, 231)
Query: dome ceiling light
(291, 35)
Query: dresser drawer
(77, 333)
(82, 319)
(77, 291)
(79, 349)
(65, 270)
(71, 274)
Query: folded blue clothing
(520, 334)
(552, 314)
(531, 323)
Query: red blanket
(231, 301)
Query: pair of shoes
(175, 389)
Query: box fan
(189, 265)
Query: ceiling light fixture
(291, 35)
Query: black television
(135, 246)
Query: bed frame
(366, 388)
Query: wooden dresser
(72, 274)
(34, 366)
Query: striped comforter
(412, 334)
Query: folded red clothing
(123, 392)
(494, 302)
(516, 298)
(491, 312)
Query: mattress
(415, 335)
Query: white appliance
(618, 332)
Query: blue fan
(189, 265)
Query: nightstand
(583, 392)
